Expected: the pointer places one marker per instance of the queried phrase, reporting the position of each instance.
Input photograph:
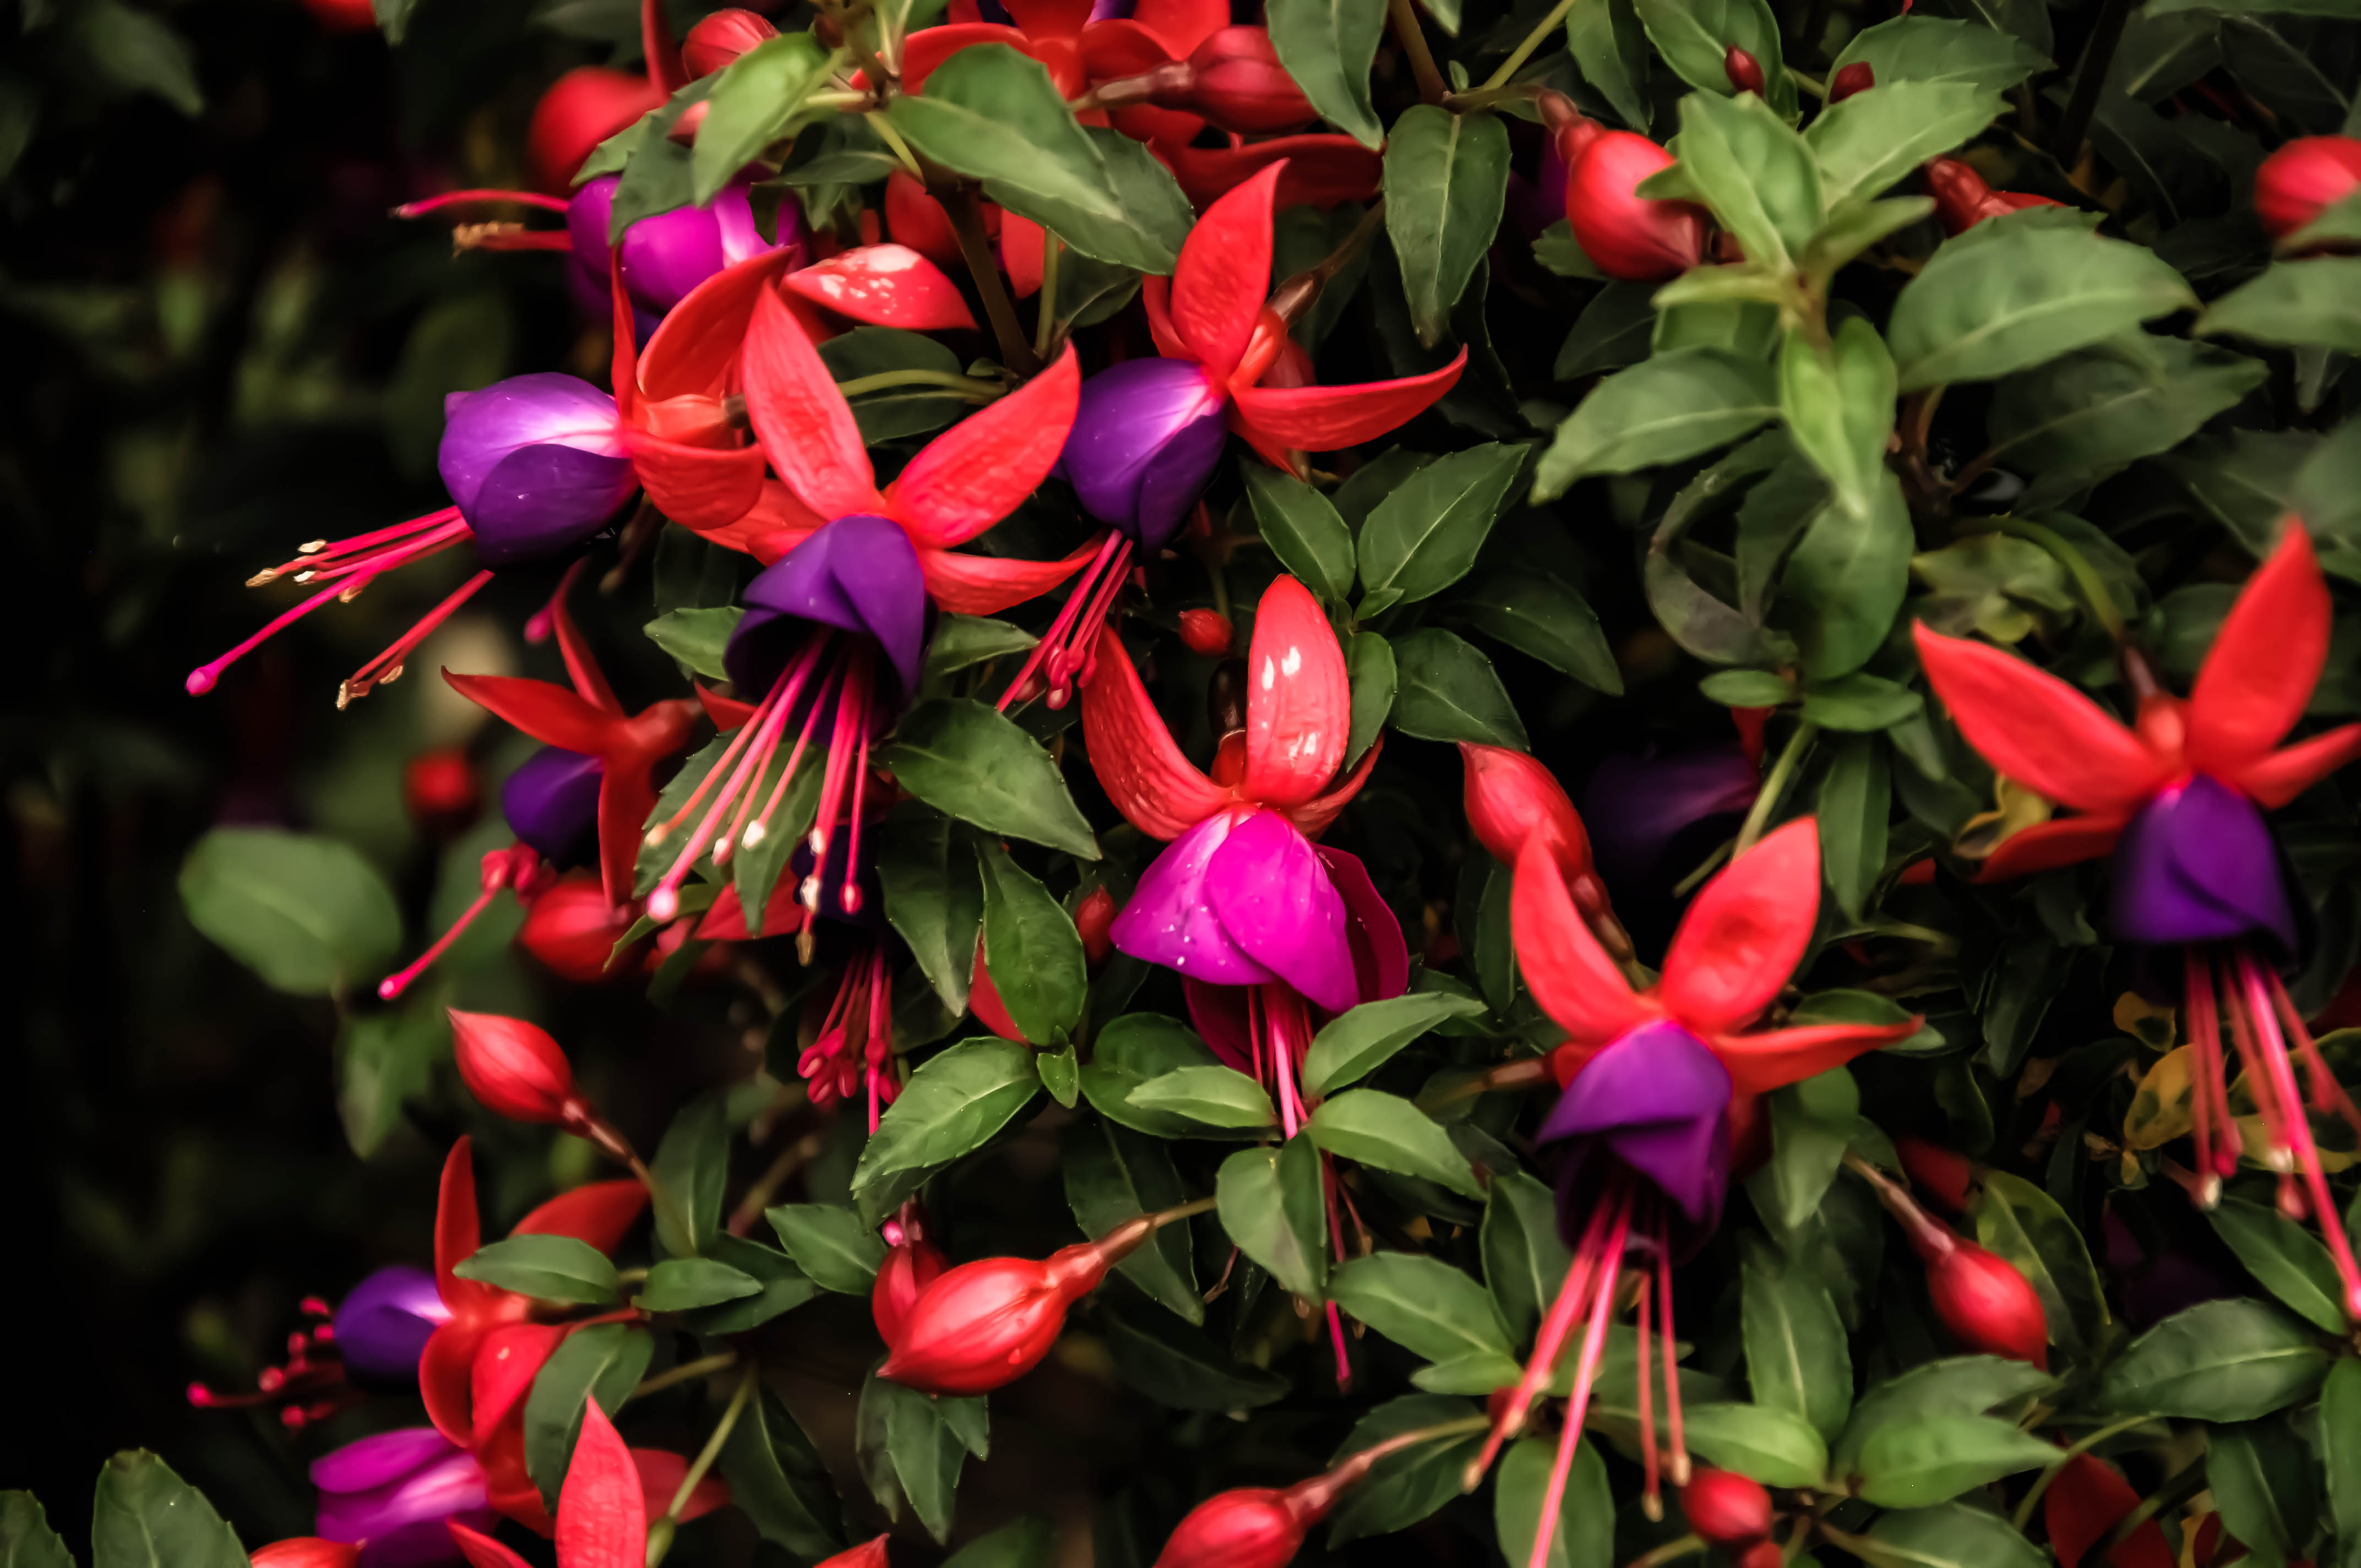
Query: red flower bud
(581, 109)
(1962, 200)
(908, 1269)
(572, 929)
(1858, 77)
(1633, 237)
(1234, 80)
(1744, 71)
(515, 1069)
(719, 39)
(1762, 1554)
(1944, 1175)
(1094, 919)
(440, 789)
(1727, 1508)
(867, 1554)
(307, 1551)
(1251, 1527)
(984, 1324)
(2303, 177)
(1987, 1304)
(1206, 632)
(1510, 797)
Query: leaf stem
(1774, 785)
(2024, 1515)
(721, 1361)
(893, 139)
(967, 222)
(1045, 309)
(2089, 78)
(1413, 39)
(1525, 51)
(712, 1449)
(969, 386)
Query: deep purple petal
(2198, 865)
(1146, 436)
(418, 1545)
(859, 573)
(546, 407)
(551, 802)
(383, 1323)
(1274, 898)
(1657, 1102)
(666, 255)
(1171, 919)
(543, 500)
(1637, 805)
(588, 212)
(403, 1520)
(379, 1462)
(1380, 955)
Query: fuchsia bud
(1987, 1304)
(909, 1268)
(572, 930)
(440, 789)
(581, 109)
(1630, 236)
(1094, 919)
(1762, 1554)
(983, 1000)
(984, 1324)
(1962, 200)
(1744, 71)
(1234, 79)
(515, 1069)
(1263, 1526)
(1727, 1508)
(1858, 77)
(1511, 799)
(867, 1554)
(306, 1552)
(2307, 175)
(719, 39)
(1206, 632)
(1944, 1175)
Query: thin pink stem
(1678, 1440)
(387, 665)
(395, 984)
(1115, 546)
(1648, 1488)
(1556, 1325)
(2327, 1094)
(422, 207)
(1593, 1343)
(2323, 1206)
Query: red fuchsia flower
(591, 102)
(2303, 178)
(1636, 238)
(604, 1505)
(1727, 1508)
(1233, 81)
(1079, 43)
(1317, 170)
(1980, 1296)
(2178, 799)
(1945, 1175)
(1206, 632)
(1858, 77)
(394, 1493)
(1963, 199)
(1657, 1083)
(306, 1552)
(912, 1263)
(1511, 801)
(982, 1325)
(2087, 1499)
(440, 790)
(721, 36)
(571, 931)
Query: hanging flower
(395, 1493)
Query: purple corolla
(383, 1323)
(2198, 864)
(1655, 1106)
(396, 1492)
(551, 802)
(536, 464)
(1145, 437)
(665, 256)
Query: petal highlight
(1223, 273)
(1299, 702)
(602, 1520)
(884, 285)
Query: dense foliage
(934, 950)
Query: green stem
(967, 222)
(1672, 1551)
(721, 1361)
(969, 387)
(1525, 51)
(893, 139)
(1045, 318)
(1163, 1217)
(2025, 1507)
(2173, 1491)
(1432, 87)
(712, 1449)
(1783, 771)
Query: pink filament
(419, 209)
(2315, 1179)
(1077, 624)
(1593, 1343)
(1556, 1325)
(387, 665)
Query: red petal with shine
(447, 1376)
(2263, 663)
(2035, 729)
(884, 285)
(602, 1516)
(1569, 973)
(480, 1549)
(661, 1474)
(2281, 776)
(1744, 933)
(507, 1361)
(695, 351)
(601, 1213)
(458, 1233)
(1760, 1063)
(929, 47)
(980, 469)
(1133, 755)
(699, 488)
(1154, 296)
(986, 585)
(1224, 271)
(550, 714)
(1328, 418)
(1299, 703)
(2046, 846)
(802, 421)
(1314, 817)
(308, 1551)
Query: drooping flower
(383, 1323)
(1079, 43)
(1657, 1082)
(395, 1493)
(1264, 1526)
(2178, 798)
(1639, 239)
(2303, 178)
(1232, 80)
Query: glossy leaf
(971, 763)
(1031, 949)
(933, 899)
(2219, 1360)
(306, 913)
(1353, 1045)
(1917, 1463)
(777, 1476)
(691, 1167)
(1425, 536)
(2313, 302)
(1132, 1050)
(547, 1268)
(1302, 529)
(1420, 1303)
(1179, 1366)
(1544, 617)
(1215, 1096)
(604, 1361)
(829, 1243)
(1525, 1259)
(1517, 1498)
(1389, 1132)
(1448, 691)
(1445, 182)
(1774, 1446)
(1953, 1535)
(756, 100)
(1328, 47)
(1271, 1202)
(1674, 406)
(1796, 1358)
(146, 1517)
(953, 1105)
(1113, 1174)
(682, 1284)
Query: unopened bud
(2307, 175)
(1858, 77)
(907, 1271)
(441, 790)
(514, 1069)
(1636, 238)
(719, 39)
(1727, 1508)
(572, 930)
(1250, 1527)
(1094, 919)
(1235, 81)
(1945, 1176)
(1963, 199)
(1988, 1306)
(1511, 799)
(984, 1324)
(1762, 1554)
(1745, 72)
(1206, 632)
(983, 1000)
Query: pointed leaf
(971, 763)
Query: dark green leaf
(829, 1243)
(1218, 1096)
(1449, 692)
(1271, 1202)
(1796, 1358)
(919, 1441)
(382, 1060)
(1525, 1259)
(1420, 1303)
(1959, 1385)
(1775, 1447)
(691, 1167)
(547, 1268)
(1952, 1536)
(962, 642)
(1811, 1123)
(1845, 582)
(932, 898)
(1611, 51)
(146, 1517)
(893, 411)
(1027, 1543)
(1369, 665)
(1328, 46)
(1933, 48)
(1389, 1132)
(2024, 1225)
(2267, 1484)
(783, 1288)
(2291, 1262)
(1446, 181)
(1578, 1541)
(1541, 616)
(955, 1100)
(754, 102)
(2313, 302)
(1855, 802)
(697, 637)
(1674, 406)
(2219, 1360)
(779, 1479)
(1031, 949)
(137, 51)
(1422, 538)
(1696, 35)
(1752, 168)
(1353, 1045)
(682, 1284)
(25, 1539)
(1176, 1365)
(2101, 407)
(605, 1360)
(1875, 137)
(1132, 1050)
(1917, 1463)
(1302, 529)
(1112, 1175)
(307, 914)
(1837, 401)
(2339, 1441)
(1406, 1485)
(972, 762)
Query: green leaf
(1271, 1202)
(1577, 1540)
(382, 1060)
(1860, 704)
(1868, 141)
(2220, 1361)
(2316, 302)
(1610, 49)
(134, 51)
(933, 900)
(1796, 1358)
(1539, 616)
(918, 1444)
(1837, 401)
(1424, 536)
(2020, 290)
(1775, 1447)
(1113, 1174)
(1408, 1485)
(1369, 666)
(1179, 1366)
(657, 171)
(1956, 1385)
(1027, 1543)
(1447, 180)
(1302, 529)
(2024, 1225)
(1917, 1464)
(2290, 1260)
(962, 642)
(782, 1288)
(682, 1284)
(1855, 802)
(994, 115)
(1936, 49)
(895, 411)
(2266, 1484)
(1420, 1303)
(1061, 1075)
(1754, 170)
(306, 913)
(1525, 1259)
(697, 637)
(777, 1476)
(1665, 410)
(1811, 1123)
(1696, 35)
(1353, 1045)
(829, 1243)
(1328, 47)
(754, 100)
(605, 1361)
(691, 1168)
(968, 762)
(1952, 1536)
(2130, 397)
(2339, 1440)
(1218, 1096)
(1031, 949)
(146, 1517)
(1449, 692)
(1746, 688)
(1389, 1132)
(25, 1539)
(1135, 1049)
(547, 1268)
(955, 1101)
(1845, 582)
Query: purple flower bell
(858, 575)
(551, 802)
(2198, 864)
(536, 464)
(665, 256)
(383, 1323)
(1656, 1104)
(1636, 807)
(1145, 437)
(395, 1492)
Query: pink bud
(1962, 200)
(1944, 1175)
(441, 790)
(867, 1554)
(1510, 797)
(2300, 179)
(515, 1069)
(1630, 236)
(1727, 1508)
(1744, 71)
(1094, 919)
(581, 109)
(1765, 1553)
(1858, 77)
(307, 1551)
(1987, 1304)
(572, 929)
(1236, 83)
(1251, 1527)
(1206, 632)
(984, 1324)
(719, 39)
(907, 1271)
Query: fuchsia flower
(2302, 180)
(396, 1492)
(2179, 798)
(1655, 1082)
(383, 1323)
(604, 1505)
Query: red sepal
(1133, 755)
(695, 350)
(1223, 273)
(1760, 1063)
(727, 712)
(1180, 24)
(980, 469)
(480, 1549)
(2086, 1501)
(600, 1214)
(1744, 933)
(1329, 418)
(550, 714)
(602, 1516)
(1050, 18)
(445, 1377)
(508, 1359)
(2258, 675)
(1569, 973)
(884, 285)
(458, 1233)
(699, 488)
(1321, 169)
(870, 1553)
(924, 50)
(2046, 846)
(2275, 780)
(1314, 817)
(986, 585)
(661, 1474)
(666, 72)
(627, 796)
(2036, 729)
(1299, 702)
(803, 422)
